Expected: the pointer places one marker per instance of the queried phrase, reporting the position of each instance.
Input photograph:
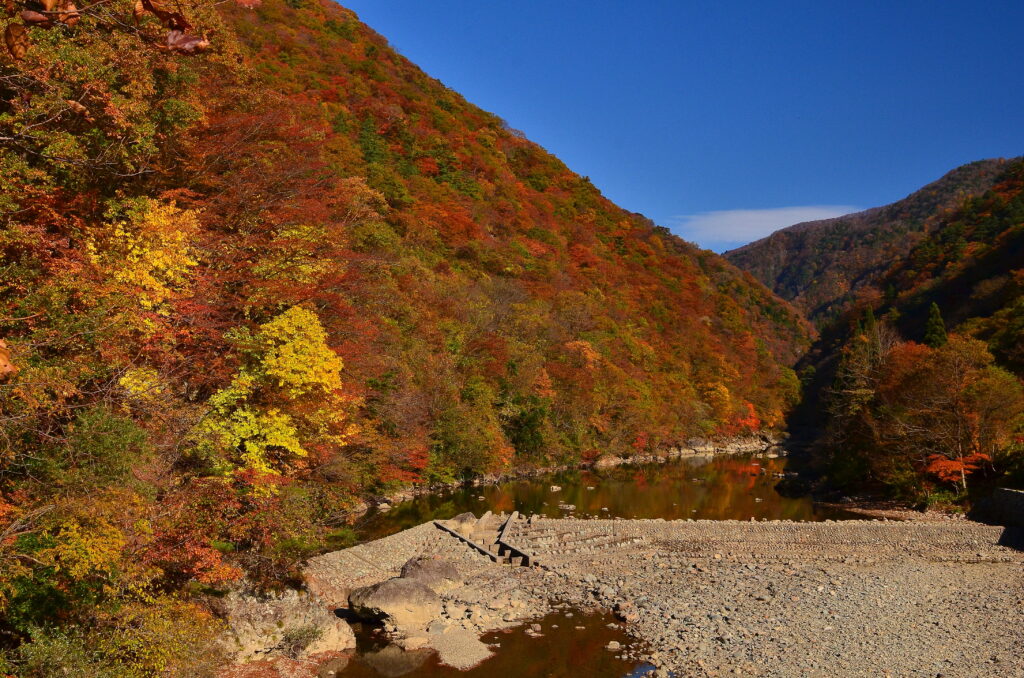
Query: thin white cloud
(724, 229)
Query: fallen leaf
(16, 38)
(173, 20)
(180, 41)
(69, 14)
(76, 107)
(35, 18)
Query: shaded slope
(822, 265)
(901, 402)
(972, 267)
(970, 264)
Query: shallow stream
(569, 646)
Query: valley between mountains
(259, 272)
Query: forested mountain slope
(253, 264)
(918, 381)
(972, 268)
(822, 265)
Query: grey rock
(406, 603)
(436, 573)
(464, 523)
(258, 624)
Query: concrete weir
(495, 546)
(728, 597)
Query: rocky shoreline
(765, 442)
(703, 598)
(888, 509)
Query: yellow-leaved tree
(286, 396)
(719, 401)
(148, 254)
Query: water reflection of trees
(717, 488)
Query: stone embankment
(710, 598)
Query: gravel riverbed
(722, 598)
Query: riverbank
(709, 598)
(714, 487)
(889, 509)
(830, 599)
(766, 442)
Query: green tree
(935, 328)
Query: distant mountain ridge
(821, 265)
(915, 380)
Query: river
(569, 645)
(737, 487)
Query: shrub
(296, 640)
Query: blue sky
(727, 120)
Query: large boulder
(608, 461)
(465, 524)
(291, 623)
(404, 603)
(438, 574)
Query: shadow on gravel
(1012, 537)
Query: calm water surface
(563, 651)
(713, 488)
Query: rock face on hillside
(292, 623)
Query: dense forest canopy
(821, 266)
(255, 264)
(919, 359)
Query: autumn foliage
(256, 265)
(933, 416)
(922, 420)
